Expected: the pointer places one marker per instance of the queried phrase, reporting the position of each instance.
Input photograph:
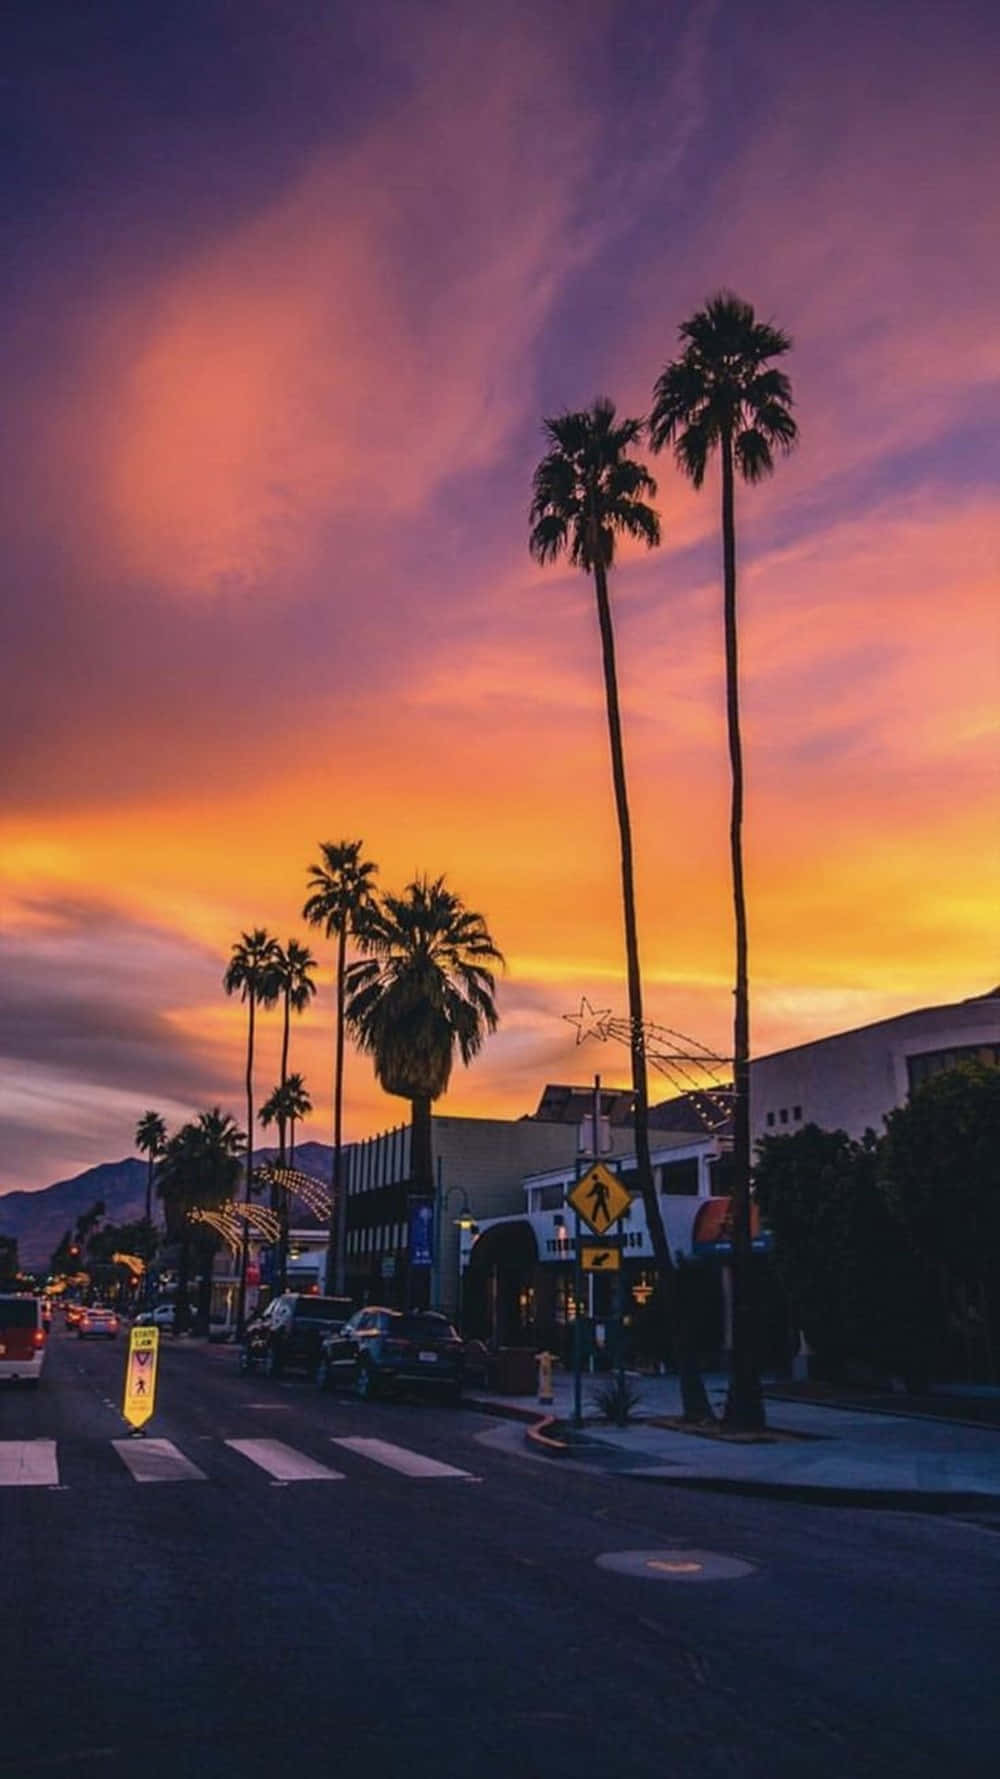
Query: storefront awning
(712, 1232)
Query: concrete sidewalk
(809, 1452)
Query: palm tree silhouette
(298, 1104)
(150, 1139)
(252, 973)
(722, 393)
(293, 968)
(200, 1168)
(288, 1102)
(587, 493)
(342, 891)
(423, 991)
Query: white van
(23, 1338)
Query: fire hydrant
(545, 1378)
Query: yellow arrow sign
(600, 1198)
(140, 1375)
(596, 1259)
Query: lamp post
(464, 1220)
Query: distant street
(310, 1585)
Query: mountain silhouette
(39, 1220)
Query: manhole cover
(675, 1565)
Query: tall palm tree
(150, 1139)
(724, 394)
(251, 973)
(200, 1168)
(423, 991)
(342, 890)
(587, 493)
(293, 968)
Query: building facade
(850, 1081)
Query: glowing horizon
(276, 359)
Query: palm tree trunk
(335, 1275)
(695, 1399)
(284, 1077)
(241, 1295)
(149, 1187)
(421, 1174)
(744, 1406)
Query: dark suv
(288, 1335)
(381, 1350)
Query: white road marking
(29, 1463)
(156, 1460)
(283, 1462)
(397, 1457)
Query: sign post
(600, 1199)
(140, 1377)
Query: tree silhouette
(342, 890)
(723, 394)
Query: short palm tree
(341, 894)
(723, 393)
(294, 964)
(251, 973)
(288, 1102)
(150, 1139)
(588, 492)
(298, 1104)
(423, 992)
(200, 1168)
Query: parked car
(22, 1337)
(383, 1351)
(97, 1323)
(289, 1334)
(161, 1317)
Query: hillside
(38, 1220)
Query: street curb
(935, 1501)
(504, 1411)
(536, 1435)
(866, 1408)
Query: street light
(464, 1220)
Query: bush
(616, 1400)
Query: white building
(851, 1080)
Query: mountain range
(39, 1220)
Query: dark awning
(506, 1244)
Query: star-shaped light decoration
(590, 1022)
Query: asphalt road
(455, 1626)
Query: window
(770, 1120)
(797, 1114)
(933, 1062)
(550, 1198)
(680, 1178)
(783, 1114)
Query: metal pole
(577, 1326)
(437, 1257)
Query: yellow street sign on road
(594, 1258)
(140, 1375)
(600, 1198)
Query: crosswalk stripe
(398, 1457)
(156, 1460)
(28, 1463)
(282, 1462)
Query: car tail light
(38, 1338)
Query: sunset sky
(288, 289)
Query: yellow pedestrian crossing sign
(140, 1375)
(600, 1257)
(600, 1198)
